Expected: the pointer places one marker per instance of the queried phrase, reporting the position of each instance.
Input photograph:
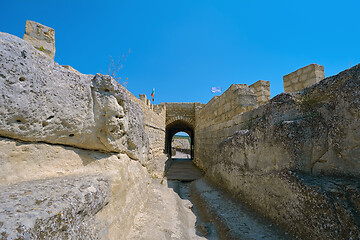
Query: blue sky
(183, 48)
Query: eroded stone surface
(54, 208)
(315, 132)
(70, 68)
(233, 220)
(42, 101)
(165, 215)
(256, 154)
(181, 143)
(35, 162)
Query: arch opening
(180, 146)
(177, 127)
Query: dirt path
(232, 219)
(165, 216)
(190, 209)
(196, 210)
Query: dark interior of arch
(175, 127)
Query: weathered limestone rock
(303, 77)
(70, 68)
(41, 37)
(53, 208)
(181, 143)
(178, 222)
(309, 207)
(29, 165)
(115, 129)
(42, 101)
(262, 156)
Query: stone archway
(179, 126)
(189, 120)
(180, 117)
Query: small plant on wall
(115, 66)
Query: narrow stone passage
(189, 207)
(184, 170)
(165, 216)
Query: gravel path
(232, 219)
(197, 210)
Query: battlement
(41, 37)
(303, 77)
(237, 99)
(262, 91)
(159, 109)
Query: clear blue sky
(183, 48)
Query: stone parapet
(41, 37)
(239, 98)
(262, 91)
(181, 111)
(215, 121)
(303, 77)
(154, 125)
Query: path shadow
(180, 174)
(203, 227)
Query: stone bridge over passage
(180, 117)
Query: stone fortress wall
(41, 37)
(260, 154)
(180, 111)
(262, 91)
(154, 126)
(303, 77)
(256, 148)
(216, 121)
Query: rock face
(53, 208)
(181, 143)
(80, 132)
(296, 136)
(314, 131)
(29, 165)
(70, 68)
(42, 101)
(41, 37)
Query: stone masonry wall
(262, 91)
(303, 78)
(180, 111)
(218, 120)
(41, 37)
(154, 125)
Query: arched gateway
(180, 117)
